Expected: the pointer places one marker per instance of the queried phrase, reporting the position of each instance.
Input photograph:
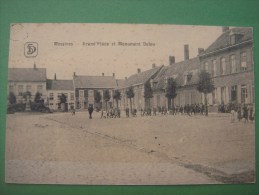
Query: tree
(12, 98)
(37, 98)
(205, 86)
(63, 101)
(63, 98)
(148, 93)
(117, 97)
(130, 94)
(97, 98)
(27, 96)
(106, 97)
(170, 91)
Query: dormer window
(235, 38)
(189, 77)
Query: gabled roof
(177, 71)
(100, 82)
(223, 41)
(142, 77)
(60, 85)
(27, 74)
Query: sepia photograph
(130, 104)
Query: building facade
(185, 73)
(86, 86)
(55, 88)
(137, 82)
(230, 62)
(22, 80)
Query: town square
(132, 113)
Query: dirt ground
(65, 149)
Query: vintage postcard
(130, 104)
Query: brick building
(229, 59)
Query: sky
(93, 49)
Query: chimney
(171, 60)
(113, 75)
(225, 29)
(102, 74)
(200, 51)
(186, 52)
(74, 74)
(34, 66)
(55, 76)
(139, 70)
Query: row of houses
(229, 60)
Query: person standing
(90, 111)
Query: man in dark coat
(90, 111)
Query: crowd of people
(237, 112)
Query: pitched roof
(177, 71)
(60, 85)
(27, 74)
(142, 77)
(94, 81)
(223, 41)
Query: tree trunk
(117, 103)
(206, 104)
(130, 106)
(106, 105)
(169, 103)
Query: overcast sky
(96, 59)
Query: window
(72, 96)
(233, 97)
(39, 88)
(206, 66)
(81, 93)
(51, 96)
(28, 88)
(243, 61)
(214, 63)
(11, 88)
(189, 77)
(244, 94)
(20, 90)
(223, 66)
(233, 63)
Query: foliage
(26, 95)
(97, 96)
(148, 92)
(130, 92)
(63, 98)
(205, 83)
(106, 95)
(117, 96)
(205, 86)
(171, 89)
(19, 107)
(12, 98)
(37, 98)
